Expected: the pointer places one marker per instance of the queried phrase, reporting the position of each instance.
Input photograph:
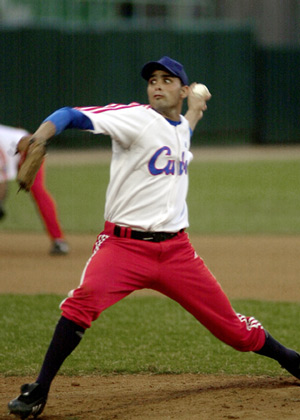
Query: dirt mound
(161, 397)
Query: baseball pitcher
(144, 243)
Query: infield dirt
(265, 268)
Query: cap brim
(150, 67)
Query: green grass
(245, 197)
(224, 198)
(79, 193)
(141, 334)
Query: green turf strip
(224, 198)
(137, 335)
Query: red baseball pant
(118, 266)
(46, 205)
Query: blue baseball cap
(165, 63)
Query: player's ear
(184, 91)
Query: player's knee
(82, 310)
(246, 333)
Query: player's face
(166, 93)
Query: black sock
(275, 350)
(66, 337)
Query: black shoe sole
(24, 412)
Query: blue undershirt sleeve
(68, 117)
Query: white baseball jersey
(9, 138)
(148, 177)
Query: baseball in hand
(201, 90)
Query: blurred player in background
(9, 159)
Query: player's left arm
(196, 107)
